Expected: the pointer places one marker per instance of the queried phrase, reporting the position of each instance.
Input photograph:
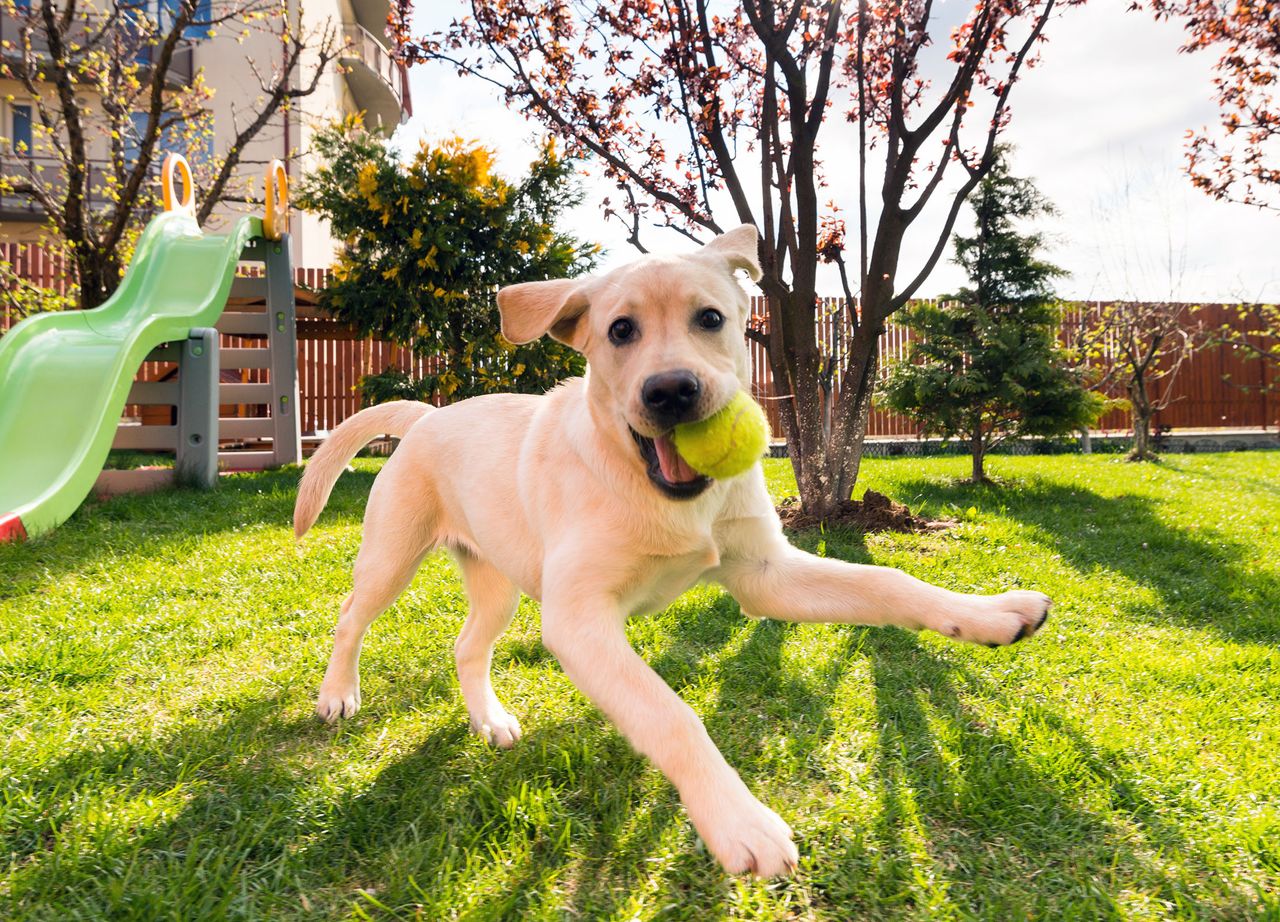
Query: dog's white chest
(665, 579)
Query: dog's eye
(621, 331)
(710, 319)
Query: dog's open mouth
(668, 471)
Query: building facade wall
(235, 63)
(232, 66)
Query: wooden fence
(1218, 388)
(36, 266)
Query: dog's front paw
(497, 728)
(336, 701)
(747, 837)
(1002, 619)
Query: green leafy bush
(427, 243)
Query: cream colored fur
(549, 496)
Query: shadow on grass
(759, 706)
(251, 832)
(183, 528)
(573, 815)
(573, 810)
(586, 813)
(230, 788)
(978, 824)
(254, 830)
(1200, 575)
(569, 814)
(155, 524)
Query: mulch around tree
(874, 512)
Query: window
(204, 12)
(169, 10)
(133, 136)
(169, 141)
(20, 129)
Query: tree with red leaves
(707, 115)
(1137, 348)
(1240, 161)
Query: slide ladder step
(245, 289)
(246, 427)
(245, 358)
(154, 392)
(244, 393)
(246, 460)
(243, 323)
(146, 438)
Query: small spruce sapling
(985, 365)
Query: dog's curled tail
(331, 459)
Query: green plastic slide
(65, 377)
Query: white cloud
(1099, 125)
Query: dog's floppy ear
(740, 246)
(530, 309)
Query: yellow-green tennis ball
(726, 443)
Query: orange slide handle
(275, 221)
(176, 167)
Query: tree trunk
(853, 412)
(826, 467)
(795, 383)
(816, 495)
(97, 275)
(1141, 413)
(1086, 442)
(795, 363)
(1141, 438)
(977, 451)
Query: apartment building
(364, 78)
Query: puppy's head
(664, 336)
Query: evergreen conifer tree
(985, 364)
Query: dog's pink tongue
(673, 467)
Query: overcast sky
(1099, 125)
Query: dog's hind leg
(398, 534)
(493, 601)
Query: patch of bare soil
(874, 512)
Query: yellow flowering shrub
(428, 240)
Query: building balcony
(372, 14)
(378, 81)
(181, 67)
(21, 206)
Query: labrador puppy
(578, 499)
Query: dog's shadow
(1203, 578)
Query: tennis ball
(726, 443)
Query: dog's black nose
(671, 395)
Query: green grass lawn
(158, 757)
